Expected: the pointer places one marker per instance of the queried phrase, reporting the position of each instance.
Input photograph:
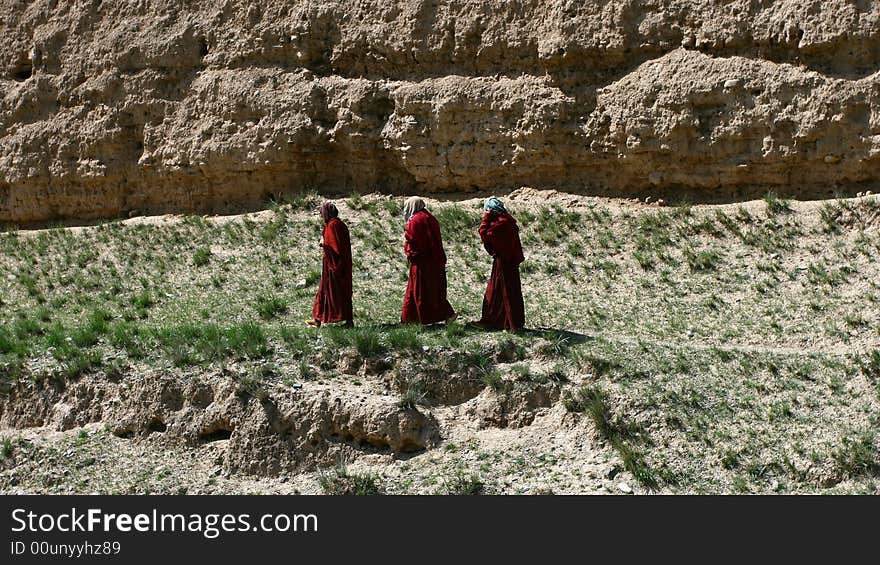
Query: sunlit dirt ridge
(117, 108)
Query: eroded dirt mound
(270, 428)
(114, 107)
(269, 431)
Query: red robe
(425, 299)
(333, 301)
(503, 306)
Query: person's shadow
(553, 333)
(548, 333)
(572, 338)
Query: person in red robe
(425, 299)
(333, 301)
(503, 307)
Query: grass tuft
(776, 205)
(201, 257)
(341, 481)
(415, 395)
(368, 343)
(269, 306)
(462, 484)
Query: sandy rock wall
(111, 107)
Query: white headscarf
(411, 206)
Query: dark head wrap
(494, 205)
(329, 211)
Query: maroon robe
(503, 306)
(425, 299)
(333, 301)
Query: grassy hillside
(700, 348)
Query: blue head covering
(494, 205)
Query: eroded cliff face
(158, 105)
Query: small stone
(731, 83)
(648, 200)
(611, 472)
(624, 488)
(830, 159)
